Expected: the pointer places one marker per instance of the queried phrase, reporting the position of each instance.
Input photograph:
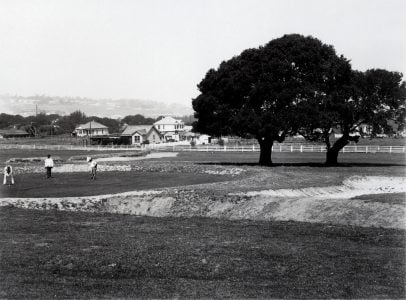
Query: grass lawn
(47, 254)
(79, 184)
(294, 158)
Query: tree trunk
(332, 156)
(266, 152)
(332, 153)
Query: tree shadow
(305, 164)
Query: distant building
(90, 129)
(170, 128)
(141, 134)
(13, 133)
(197, 138)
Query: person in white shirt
(8, 175)
(93, 166)
(49, 164)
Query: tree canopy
(259, 93)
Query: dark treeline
(53, 124)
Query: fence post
(390, 149)
(253, 148)
(291, 148)
(301, 148)
(225, 147)
(366, 149)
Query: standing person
(8, 175)
(93, 166)
(49, 164)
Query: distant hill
(112, 108)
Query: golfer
(49, 164)
(8, 175)
(93, 166)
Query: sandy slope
(331, 204)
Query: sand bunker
(332, 205)
(351, 187)
(148, 156)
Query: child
(49, 164)
(8, 173)
(93, 166)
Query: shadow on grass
(315, 165)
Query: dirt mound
(56, 159)
(334, 204)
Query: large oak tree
(258, 93)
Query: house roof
(92, 125)
(13, 131)
(140, 129)
(168, 121)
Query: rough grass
(48, 254)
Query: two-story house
(170, 128)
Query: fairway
(79, 184)
(216, 232)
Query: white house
(197, 138)
(170, 128)
(90, 129)
(139, 134)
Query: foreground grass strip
(49, 254)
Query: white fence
(212, 148)
(278, 148)
(71, 147)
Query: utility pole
(36, 110)
(90, 132)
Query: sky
(159, 50)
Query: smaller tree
(372, 97)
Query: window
(137, 139)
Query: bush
(193, 143)
(221, 142)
